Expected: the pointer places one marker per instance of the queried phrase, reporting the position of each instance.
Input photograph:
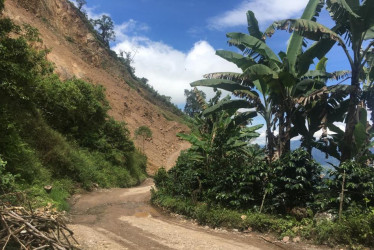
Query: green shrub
(296, 180)
(353, 230)
(359, 185)
(52, 131)
(7, 180)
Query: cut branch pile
(41, 229)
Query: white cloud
(91, 13)
(265, 11)
(129, 27)
(169, 70)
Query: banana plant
(319, 108)
(221, 133)
(274, 77)
(355, 21)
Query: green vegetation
(105, 26)
(225, 180)
(124, 60)
(192, 106)
(81, 3)
(144, 132)
(55, 132)
(354, 230)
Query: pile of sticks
(42, 229)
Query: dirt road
(124, 219)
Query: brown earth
(77, 53)
(124, 219)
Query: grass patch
(357, 231)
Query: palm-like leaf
(341, 10)
(260, 71)
(317, 50)
(306, 28)
(232, 105)
(296, 41)
(366, 14)
(253, 28)
(369, 33)
(221, 84)
(239, 60)
(249, 44)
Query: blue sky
(174, 41)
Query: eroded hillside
(77, 53)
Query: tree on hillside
(105, 26)
(144, 132)
(80, 4)
(193, 106)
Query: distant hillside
(76, 52)
(318, 156)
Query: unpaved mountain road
(124, 219)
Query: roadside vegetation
(224, 180)
(55, 132)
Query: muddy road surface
(124, 219)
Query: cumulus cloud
(265, 11)
(129, 27)
(169, 70)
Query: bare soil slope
(77, 53)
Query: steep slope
(76, 52)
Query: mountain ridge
(76, 52)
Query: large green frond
(341, 10)
(309, 29)
(317, 50)
(366, 13)
(228, 105)
(321, 65)
(260, 71)
(344, 13)
(233, 76)
(220, 84)
(242, 118)
(241, 61)
(249, 44)
(323, 75)
(369, 34)
(296, 41)
(253, 27)
(192, 139)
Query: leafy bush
(353, 230)
(7, 180)
(52, 131)
(296, 180)
(359, 184)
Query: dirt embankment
(77, 53)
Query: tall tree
(81, 3)
(276, 78)
(354, 21)
(106, 28)
(144, 132)
(193, 106)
